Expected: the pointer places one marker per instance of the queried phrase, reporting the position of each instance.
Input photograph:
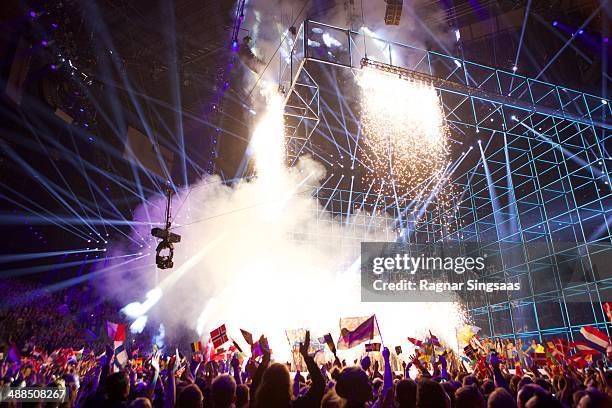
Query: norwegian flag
(597, 339)
(219, 336)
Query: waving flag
(356, 330)
(115, 331)
(121, 356)
(219, 336)
(470, 352)
(196, 346)
(434, 340)
(597, 339)
(416, 342)
(329, 340)
(586, 349)
(248, 337)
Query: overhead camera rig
(165, 248)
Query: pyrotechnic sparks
(404, 132)
(405, 139)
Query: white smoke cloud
(261, 254)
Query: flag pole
(379, 332)
(292, 351)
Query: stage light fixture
(393, 12)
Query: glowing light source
(555, 23)
(405, 136)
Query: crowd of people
(94, 376)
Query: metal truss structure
(538, 196)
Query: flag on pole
(121, 356)
(585, 348)
(115, 331)
(416, 342)
(196, 346)
(248, 337)
(539, 358)
(356, 330)
(470, 352)
(329, 340)
(370, 347)
(219, 336)
(434, 340)
(597, 339)
(236, 346)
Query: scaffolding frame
(548, 183)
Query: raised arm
(317, 388)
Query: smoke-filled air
(261, 254)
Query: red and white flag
(597, 339)
(608, 309)
(219, 336)
(584, 348)
(115, 331)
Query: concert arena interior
(305, 203)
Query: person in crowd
(95, 374)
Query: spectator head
(450, 391)
(544, 384)
(118, 386)
(376, 386)
(430, 394)
(488, 387)
(593, 398)
(469, 396)
(405, 393)
(469, 380)
(353, 385)
(275, 388)
(500, 398)
(190, 397)
(522, 382)
(527, 392)
(331, 400)
(140, 403)
(223, 391)
(543, 400)
(577, 396)
(242, 396)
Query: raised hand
(155, 361)
(386, 354)
(305, 345)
